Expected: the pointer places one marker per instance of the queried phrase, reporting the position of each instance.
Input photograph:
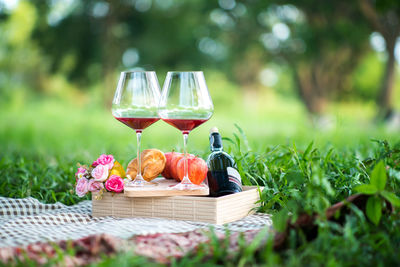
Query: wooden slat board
(236, 206)
(217, 210)
(163, 189)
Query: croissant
(153, 163)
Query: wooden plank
(236, 206)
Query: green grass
(84, 130)
(41, 143)
(295, 179)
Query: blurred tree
(321, 42)
(384, 17)
(89, 41)
(324, 50)
(21, 62)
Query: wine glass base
(187, 187)
(140, 183)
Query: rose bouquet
(105, 174)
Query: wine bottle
(223, 178)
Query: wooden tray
(162, 189)
(218, 210)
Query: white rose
(100, 173)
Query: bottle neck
(216, 142)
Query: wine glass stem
(185, 161)
(139, 165)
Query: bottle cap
(215, 139)
(214, 130)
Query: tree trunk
(110, 53)
(308, 92)
(386, 91)
(388, 25)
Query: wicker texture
(189, 208)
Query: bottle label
(234, 176)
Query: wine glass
(185, 104)
(135, 104)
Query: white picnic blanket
(25, 221)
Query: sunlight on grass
(63, 128)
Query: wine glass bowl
(185, 103)
(135, 104)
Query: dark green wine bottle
(223, 178)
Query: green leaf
(280, 220)
(308, 149)
(368, 189)
(228, 139)
(374, 209)
(378, 176)
(54, 196)
(392, 198)
(255, 244)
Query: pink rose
(95, 186)
(81, 170)
(100, 173)
(115, 184)
(95, 163)
(80, 173)
(107, 160)
(81, 187)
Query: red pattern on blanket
(158, 247)
(88, 250)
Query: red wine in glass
(137, 124)
(185, 125)
(135, 104)
(185, 103)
